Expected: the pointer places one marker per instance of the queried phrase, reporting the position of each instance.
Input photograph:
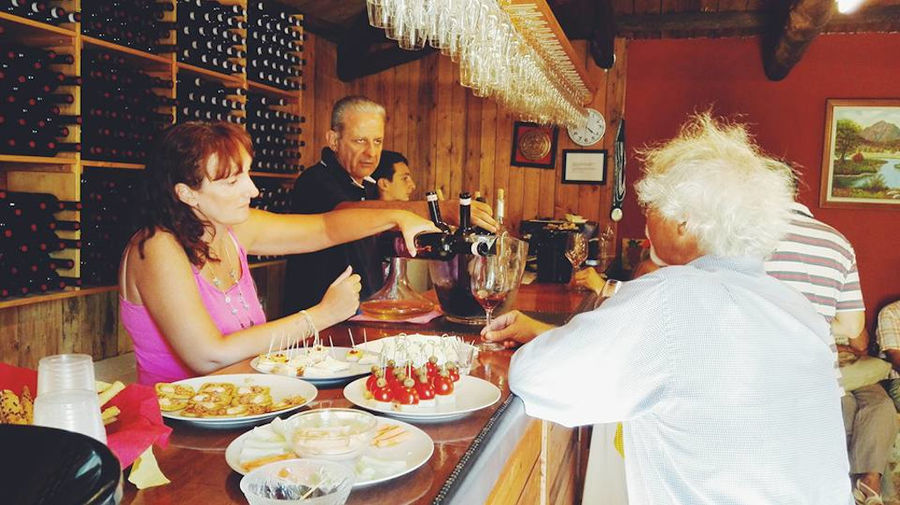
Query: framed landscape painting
(861, 161)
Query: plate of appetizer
(320, 364)
(378, 449)
(437, 398)
(231, 401)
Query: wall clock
(591, 132)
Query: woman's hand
(340, 301)
(411, 225)
(590, 279)
(513, 328)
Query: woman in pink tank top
(186, 295)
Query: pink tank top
(156, 360)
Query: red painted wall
(668, 79)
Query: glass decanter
(397, 299)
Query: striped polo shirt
(819, 262)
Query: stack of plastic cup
(67, 397)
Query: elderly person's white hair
(353, 104)
(734, 199)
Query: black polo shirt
(320, 188)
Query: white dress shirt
(723, 376)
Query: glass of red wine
(491, 281)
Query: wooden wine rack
(61, 175)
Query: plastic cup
(72, 410)
(65, 372)
(299, 481)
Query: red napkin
(139, 425)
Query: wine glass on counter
(491, 282)
(576, 252)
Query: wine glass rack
(114, 83)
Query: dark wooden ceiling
(638, 18)
(787, 27)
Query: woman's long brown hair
(181, 155)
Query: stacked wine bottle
(39, 10)
(107, 222)
(274, 45)
(275, 134)
(208, 100)
(123, 108)
(274, 196)
(33, 94)
(134, 23)
(210, 35)
(28, 227)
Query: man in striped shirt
(818, 261)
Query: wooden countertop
(195, 459)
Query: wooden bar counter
(537, 467)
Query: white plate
(279, 388)
(471, 394)
(416, 451)
(337, 353)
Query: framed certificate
(586, 166)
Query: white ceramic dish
(326, 379)
(471, 394)
(279, 388)
(415, 451)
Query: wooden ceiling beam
(804, 22)
(603, 35)
(692, 23)
(365, 50)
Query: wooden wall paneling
(502, 151)
(531, 193)
(9, 335)
(429, 128)
(486, 150)
(615, 109)
(76, 336)
(457, 165)
(442, 165)
(626, 6)
(589, 204)
(519, 468)
(39, 326)
(515, 197)
(308, 105)
(401, 107)
(472, 164)
(647, 6)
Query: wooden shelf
(57, 295)
(34, 25)
(237, 81)
(39, 160)
(265, 88)
(273, 175)
(93, 41)
(112, 164)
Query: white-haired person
(722, 375)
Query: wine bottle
(432, 245)
(434, 211)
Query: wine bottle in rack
(124, 108)
(40, 11)
(210, 35)
(274, 41)
(209, 100)
(139, 24)
(34, 85)
(108, 199)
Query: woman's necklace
(218, 284)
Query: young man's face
(399, 188)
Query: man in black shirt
(341, 180)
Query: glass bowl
(332, 433)
(298, 481)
